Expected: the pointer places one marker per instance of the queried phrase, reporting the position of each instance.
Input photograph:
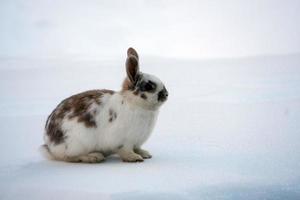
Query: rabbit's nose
(163, 95)
(167, 93)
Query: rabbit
(89, 126)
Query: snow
(230, 130)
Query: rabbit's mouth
(162, 96)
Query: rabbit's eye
(148, 86)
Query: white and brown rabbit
(89, 126)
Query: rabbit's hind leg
(94, 157)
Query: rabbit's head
(147, 89)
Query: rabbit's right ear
(132, 65)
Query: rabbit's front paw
(145, 154)
(129, 156)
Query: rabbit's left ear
(132, 65)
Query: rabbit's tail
(45, 151)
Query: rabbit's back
(74, 117)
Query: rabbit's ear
(132, 52)
(132, 65)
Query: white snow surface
(230, 130)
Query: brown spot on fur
(54, 132)
(136, 92)
(76, 106)
(81, 103)
(112, 115)
(88, 119)
(143, 96)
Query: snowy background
(230, 129)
